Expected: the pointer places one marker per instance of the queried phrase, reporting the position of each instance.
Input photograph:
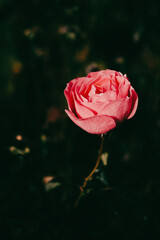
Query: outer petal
(73, 87)
(103, 73)
(124, 90)
(134, 97)
(94, 125)
(96, 74)
(80, 84)
(112, 72)
(68, 95)
(119, 109)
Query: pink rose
(98, 102)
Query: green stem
(91, 173)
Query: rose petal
(103, 72)
(134, 97)
(95, 74)
(92, 91)
(105, 97)
(68, 94)
(120, 109)
(120, 80)
(81, 111)
(80, 84)
(124, 90)
(94, 106)
(72, 87)
(69, 100)
(112, 72)
(94, 125)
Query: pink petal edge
(94, 125)
(134, 104)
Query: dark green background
(43, 45)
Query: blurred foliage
(44, 156)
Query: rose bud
(100, 101)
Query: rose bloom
(100, 101)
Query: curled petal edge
(94, 125)
(134, 104)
